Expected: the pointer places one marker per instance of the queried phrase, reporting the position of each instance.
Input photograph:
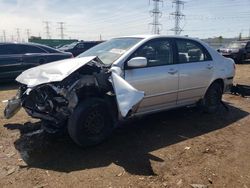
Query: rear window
(30, 49)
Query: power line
(47, 29)
(61, 28)
(178, 16)
(156, 14)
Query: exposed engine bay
(55, 101)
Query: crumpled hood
(52, 72)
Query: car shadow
(129, 146)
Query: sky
(88, 19)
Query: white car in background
(122, 78)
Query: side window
(157, 52)
(8, 49)
(190, 51)
(30, 49)
(80, 46)
(248, 45)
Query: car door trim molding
(193, 88)
(160, 94)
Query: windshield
(70, 46)
(111, 50)
(236, 45)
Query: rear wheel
(213, 97)
(90, 123)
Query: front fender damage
(55, 101)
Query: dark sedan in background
(239, 51)
(17, 57)
(77, 48)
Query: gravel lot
(170, 149)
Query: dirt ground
(170, 149)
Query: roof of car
(146, 36)
(23, 43)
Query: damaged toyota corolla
(119, 79)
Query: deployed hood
(52, 72)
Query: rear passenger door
(159, 79)
(248, 50)
(195, 71)
(32, 56)
(10, 61)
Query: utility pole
(28, 33)
(18, 34)
(47, 29)
(61, 28)
(156, 14)
(4, 36)
(178, 16)
(249, 34)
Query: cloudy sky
(88, 19)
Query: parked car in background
(119, 79)
(17, 57)
(77, 48)
(239, 51)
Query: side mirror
(137, 62)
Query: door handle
(172, 71)
(209, 66)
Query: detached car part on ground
(120, 78)
(239, 51)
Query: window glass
(30, 49)
(108, 52)
(190, 51)
(49, 49)
(80, 46)
(8, 49)
(157, 52)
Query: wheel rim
(94, 122)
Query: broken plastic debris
(187, 148)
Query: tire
(241, 59)
(212, 98)
(91, 122)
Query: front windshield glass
(111, 50)
(69, 46)
(236, 45)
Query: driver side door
(159, 79)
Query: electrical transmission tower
(4, 36)
(156, 14)
(18, 34)
(47, 28)
(178, 16)
(28, 33)
(61, 28)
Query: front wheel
(91, 122)
(212, 98)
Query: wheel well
(219, 81)
(90, 92)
